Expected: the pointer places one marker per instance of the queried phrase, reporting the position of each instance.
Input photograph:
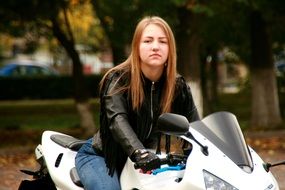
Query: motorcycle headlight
(212, 182)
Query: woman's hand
(145, 160)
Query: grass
(38, 114)
(22, 122)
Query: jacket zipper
(151, 108)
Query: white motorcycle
(219, 159)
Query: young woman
(132, 96)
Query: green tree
(265, 102)
(190, 16)
(247, 27)
(51, 18)
(202, 26)
(219, 30)
(118, 19)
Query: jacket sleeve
(116, 107)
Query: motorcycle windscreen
(223, 130)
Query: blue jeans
(92, 170)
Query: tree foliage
(54, 19)
(201, 27)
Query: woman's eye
(146, 41)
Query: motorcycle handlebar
(162, 162)
(170, 159)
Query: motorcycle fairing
(223, 130)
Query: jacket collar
(148, 82)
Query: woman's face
(153, 50)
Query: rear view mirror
(172, 124)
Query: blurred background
(53, 54)
(231, 53)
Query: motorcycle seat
(67, 141)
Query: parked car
(279, 63)
(26, 68)
(280, 71)
(280, 68)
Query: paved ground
(11, 161)
(278, 172)
(270, 146)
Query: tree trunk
(81, 94)
(265, 106)
(119, 54)
(188, 54)
(193, 77)
(209, 78)
(265, 111)
(86, 118)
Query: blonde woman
(133, 95)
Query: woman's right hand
(145, 160)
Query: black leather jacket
(123, 130)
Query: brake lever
(175, 159)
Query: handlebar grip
(162, 162)
(136, 166)
(171, 159)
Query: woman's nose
(155, 46)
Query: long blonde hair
(132, 65)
